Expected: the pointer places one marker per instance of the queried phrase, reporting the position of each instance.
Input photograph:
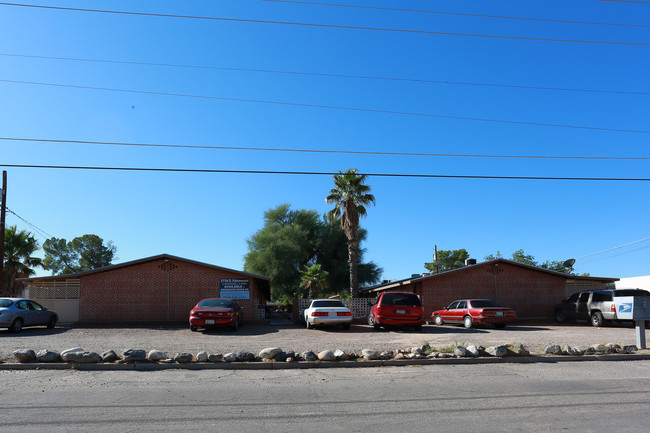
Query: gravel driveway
(254, 337)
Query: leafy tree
(448, 260)
(293, 239)
(350, 196)
(313, 278)
(83, 253)
(520, 256)
(18, 263)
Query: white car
(327, 312)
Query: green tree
(18, 262)
(293, 239)
(520, 256)
(83, 253)
(448, 260)
(350, 196)
(313, 278)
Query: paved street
(586, 396)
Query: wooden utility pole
(3, 192)
(435, 258)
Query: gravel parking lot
(254, 337)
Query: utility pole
(3, 192)
(435, 258)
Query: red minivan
(396, 309)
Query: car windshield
(631, 292)
(5, 302)
(400, 299)
(484, 303)
(327, 303)
(215, 303)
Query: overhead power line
(332, 107)
(36, 229)
(304, 24)
(455, 13)
(614, 248)
(321, 74)
(331, 151)
(321, 173)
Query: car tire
(597, 319)
(16, 325)
(560, 317)
(467, 322)
(193, 328)
(309, 325)
(51, 323)
(372, 321)
(235, 327)
(438, 320)
(417, 328)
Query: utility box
(635, 308)
(632, 307)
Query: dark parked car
(596, 306)
(16, 313)
(214, 312)
(396, 309)
(470, 312)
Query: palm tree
(350, 196)
(314, 279)
(19, 247)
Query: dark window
(5, 303)
(331, 303)
(574, 297)
(462, 305)
(36, 306)
(483, 303)
(601, 297)
(631, 292)
(453, 305)
(216, 303)
(22, 305)
(400, 299)
(584, 296)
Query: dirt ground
(288, 336)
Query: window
(601, 297)
(453, 305)
(484, 303)
(462, 305)
(400, 299)
(584, 297)
(332, 303)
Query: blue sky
(208, 216)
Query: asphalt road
(287, 336)
(581, 396)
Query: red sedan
(213, 312)
(472, 312)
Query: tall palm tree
(314, 279)
(350, 196)
(19, 247)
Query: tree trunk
(353, 257)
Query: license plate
(499, 313)
(209, 322)
(401, 311)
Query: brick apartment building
(157, 289)
(531, 291)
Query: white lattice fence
(360, 306)
(68, 289)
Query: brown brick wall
(139, 292)
(532, 294)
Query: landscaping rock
(498, 351)
(74, 349)
(341, 355)
(156, 355)
(400, 356)
(517, 349)
(425, 348)
(230, 357)
(281, 357)
(327, 355)
(110, 356)
(580, 350)
(81, 357)
(599, 348)
(269, 352)
(183, 358)
(460, 351)
(472, 351)
(553, 349)
(630, 349)
(309, 356)
(202, 357)
(370, 354)
(25, 355)
(244, 356)
(46, 355)
(215, 357)
(613, 348)
(132, 355)
(568, 350)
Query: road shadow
(32, 332)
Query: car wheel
(51, 323)
(193, 328)
(437, 320)
(559, 317)
(235, 327)
(467, 322)
(16, 326)
(417, 328)
(372, 321)
(309, 325)
(597, 319)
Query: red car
(213, 312)
(396, 309)
(472, 312)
